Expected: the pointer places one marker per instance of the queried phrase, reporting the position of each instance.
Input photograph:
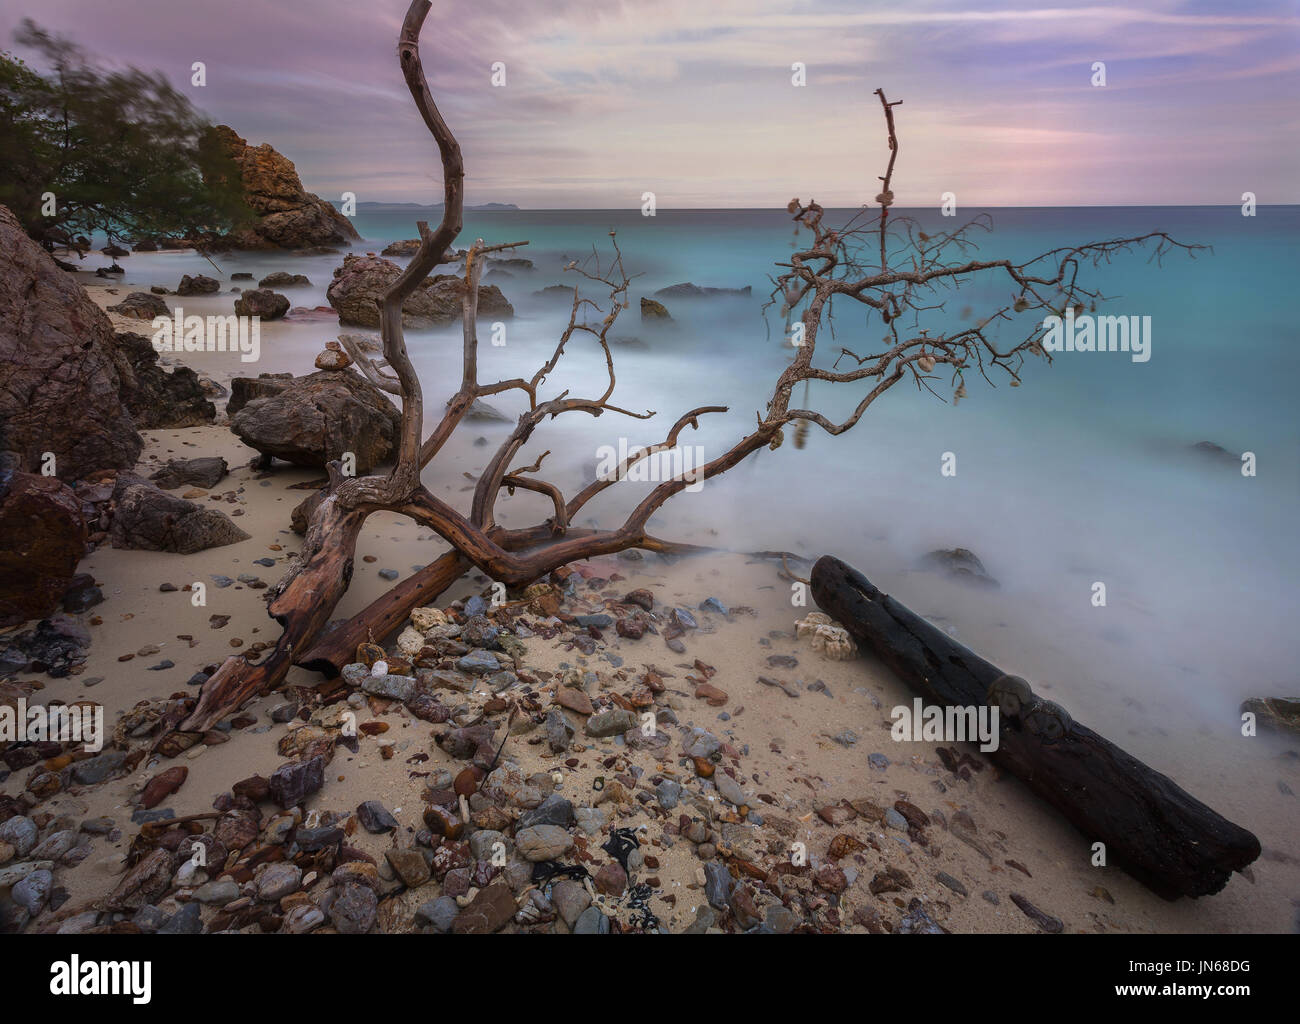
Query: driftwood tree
(893, 273)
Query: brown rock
(488, 911)
(163, 785)
(288, 216)
(312, 420)
(362, 281)
(59, 379)
(574, 699)
(42, 537)
(611, 879)
(150, 519)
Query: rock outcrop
(360, 283)
(141, 306)
(59, 385)
(205, 471)
(199, 284)
(652, 310)
(288, 216)
(312, 420)
(155, 397)
(42, 537)
(263, 303)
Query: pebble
(354, 909)
(570, 900)
(543, 842)
(186, 921)
(33, 891)
(219, 893)
(20, 832)
(278, 881)
(375, 818)
(437, 914)
(717, 884)
(591, 922)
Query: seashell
(926, 363)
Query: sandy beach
(815, 754)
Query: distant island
(434, 206)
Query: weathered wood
(302, 606)
(381, 618)
(1151, 827)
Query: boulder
(1280, 714)
(262, 302)
(157, 398)
(199, 284)
(958, 564)
(359, 285)
(280, 279)
(652, 310)
(59, 385)
(141, 306)
(204, 472)
(42, 537)
(406, 247)
(244, 389)
(148, 519)
(312, 420)
(288, 217)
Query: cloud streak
(694, 100)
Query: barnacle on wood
(1010, 695)
(1048, 721)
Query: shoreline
(784, 746)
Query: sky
(695, 100)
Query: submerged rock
(959, 564)
(361, 282)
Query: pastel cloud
(694, 101)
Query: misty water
(1084, 474)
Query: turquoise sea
(1083, 474)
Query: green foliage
(122, 151)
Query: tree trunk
(1160, 834)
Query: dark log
(1152, 828)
